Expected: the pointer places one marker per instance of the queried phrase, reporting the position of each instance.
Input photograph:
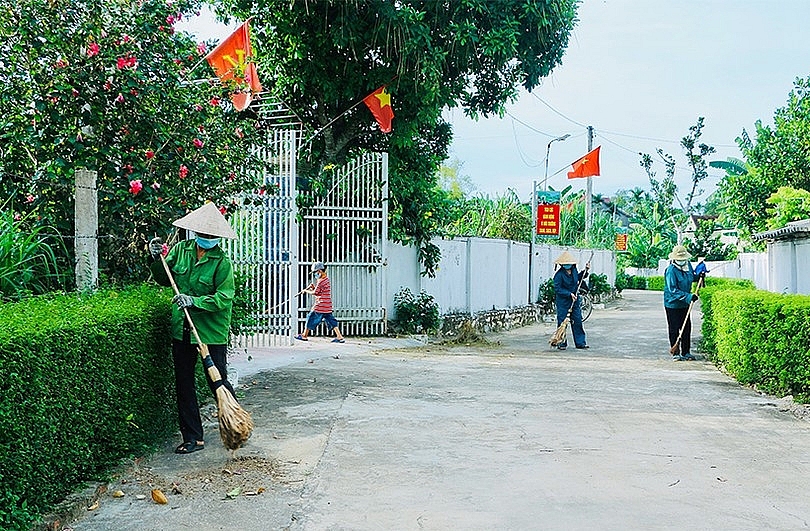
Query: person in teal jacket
(678, 280)
(204, 276)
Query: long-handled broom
(559, 335)
(674, 348)
(235, 424)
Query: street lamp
(534, 216)
(548, 150)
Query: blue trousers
(563, 304)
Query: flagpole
(588, 193)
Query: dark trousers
(675, 318)
(185, 356)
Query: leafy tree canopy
(777, 155)
(323, 57)
(105, 85)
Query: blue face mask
(206, 243)
(567, 266)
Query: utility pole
(588, 192)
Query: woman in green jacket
(204, 277)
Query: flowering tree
(112, 87)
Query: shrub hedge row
(86, 381)
(761, 338)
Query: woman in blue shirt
(678, 280)
(566, 282)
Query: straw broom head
(559, 335)
(235, 424)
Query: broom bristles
(559, 335)
(235, 424)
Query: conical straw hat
(565, 258)
(206, 220)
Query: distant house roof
(794, 229)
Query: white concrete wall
(477, 274)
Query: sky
(640, 72)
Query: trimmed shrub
(416, 313)
(655, 283)
(87, 380)
(763, 339)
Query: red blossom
(231, 176)
(93, 49)
(198, 107)
(214, 101)
(202, 48)
(120, 98)
(178, 61)
(135, 186)
(126, 62)
(75, 93)
(61, 63)
(29, 198)
(150, 154)
(128, 168)
(134, 92)
(183, 171)
(170, 20)
(223, 210)
(107, 85)
(239, 133)
(126, 38)
(198, 143)
(17, 216)
(155, 186)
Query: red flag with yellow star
(232, 62)
(379, 103)
(587, 166)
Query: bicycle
(585, 305)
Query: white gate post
(86, 230)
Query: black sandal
(189, 447)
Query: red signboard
(548, 219)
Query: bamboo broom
(235, 424)
(674, 348)
(559, 335)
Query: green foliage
(655, 283)
(106, 86)
(625, 281)
(650, 240)
(572, 223)
(86, 381)
(323, 57)
(28, 263)
(787, 204)
(706, 244)
(546, 296)
(503, 217)
(598, 285)
(713, 285)
(763, 339)
(416, 313)
(776, 156)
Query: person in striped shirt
(322, 310)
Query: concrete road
(511, 435)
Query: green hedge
(763, 338)
(707, 293)
(86, 380)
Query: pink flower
(223, 210)
(150, 154)
(202, 48)
(126, 62)
(120, 98)
(61, 63)
(121, 63)
(29, 198)
(239, 133)
(126, 38)
(164, 249)
(214, 101)
(128, 168)
(155, 186)
(133, 91)
(198, 143)
(183, 171)
(198, 107)
(17, 216)
(231, 176)
(135, 186)
(107, 85)
(170, 20)
(75, 93)
(93, 49)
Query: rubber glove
(183, 301)
(156, 248)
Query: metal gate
(347, 230)
(264, 252)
